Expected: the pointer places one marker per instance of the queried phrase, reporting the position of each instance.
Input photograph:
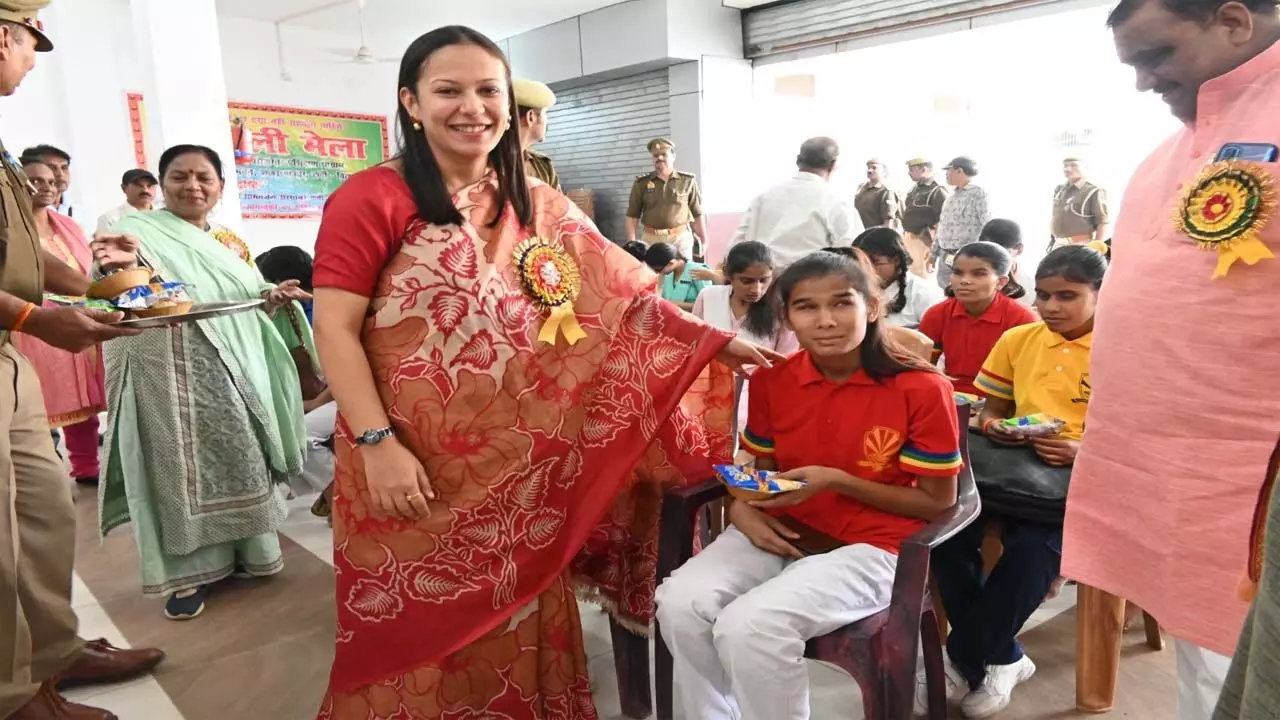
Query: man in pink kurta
(1185, 409)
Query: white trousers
(736, 619)
(317, 468)
(1201, 674)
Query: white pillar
(184, 88)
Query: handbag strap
(294, 322)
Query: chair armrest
(696, 495)
(678, 521)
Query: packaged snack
(974, 401)
(1030, 426)
(80, 301)
(747, 483)
(147, 296)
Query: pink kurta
(1185, 410)
(72, 383)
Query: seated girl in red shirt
(979, 308)
(873, 433)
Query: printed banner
(288, 161)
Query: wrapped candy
(1037, 425)
(737, 477)
(87, 303)
(147, 296)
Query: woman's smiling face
(462, 101)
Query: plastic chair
(880, 651)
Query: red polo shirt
(888, 432)
(966, 341)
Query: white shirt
(109, 218)
(922, 294)
(801, 216)
(714, 307)
(1025, 275)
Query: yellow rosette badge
(1226, 209)
(552, 281)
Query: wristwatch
(373, 437)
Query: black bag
(1016, 483)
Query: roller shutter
(597, 134)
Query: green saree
(205, 420)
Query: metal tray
(201, 311)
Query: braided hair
(883, 242)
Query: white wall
(39, 112)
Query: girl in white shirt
(906, 295)
(744, 306)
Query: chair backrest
(913, 341)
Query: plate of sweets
(147, 303)
(748, 483)
(1039, 425)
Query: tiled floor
(262, 649)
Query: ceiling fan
(363, 55)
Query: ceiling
(395, 23)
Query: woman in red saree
(72, 382)
(512, 395)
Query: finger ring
(413, 497)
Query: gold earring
(417, 125)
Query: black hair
(1005, 233)
(762, 318)
(659, 255)
(27, 161)
(881, 357)
(887, 243)
(1075, 264)
(422, 172)
(1196, 10)
(177, 151)
(999, 259)
(40, 151)
(636, 248)
(287, 262)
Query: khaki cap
(661, 142)
(25, 13)
(532, 94)
(919, 162)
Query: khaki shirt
(21, 262)
(540, 166)
(665, 204)
(1078, 210)
(878, 206)
(922, 208)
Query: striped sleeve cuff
(756, 445)
(993, 385)
(919, 462)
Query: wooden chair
(879, 652)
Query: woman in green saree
(205, 418)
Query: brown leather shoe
(100, 663)
(49, 705)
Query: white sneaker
(956, 685)
(997, 688)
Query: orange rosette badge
(551, 280)
(1225, 211)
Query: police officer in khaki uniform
(533, 100)
(667, 204)
(878, 205)
(38, 643)
(1080, 212)
(921, 211)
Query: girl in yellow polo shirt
(1038, 368)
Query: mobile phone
(1252, 152)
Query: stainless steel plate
(201, 311)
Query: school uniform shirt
(1025, 275)
(966, 341)
(921, 295)
(714, 307)
(1041, 372)
(890, 431)
(685, 289)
